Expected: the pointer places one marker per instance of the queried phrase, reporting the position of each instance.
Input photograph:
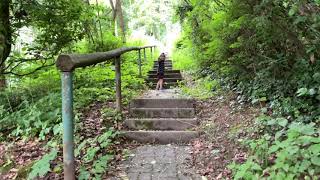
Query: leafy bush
(201, 88)
(267, 51)
(292, 153)
(182, 57)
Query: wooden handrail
(69, 62)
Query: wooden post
(151, 54)
(118, 83)
(139, 61)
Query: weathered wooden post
(151, 53)
(118, 83)
(139, 61)
(68, 126)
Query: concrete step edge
(160, 112)
(176, 124)
(159, 103)
(166, 71)
(162, 109)
(162, 119)
(161, 137)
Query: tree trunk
(87, 26)
(121, 20)
(5, 39)
(114, 15)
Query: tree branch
(25, 74)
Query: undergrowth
(268, 53)
(31, 109)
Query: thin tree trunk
(87, 27)
(100, 28)
(116, 28)
(114, 15)
(121, 20)
(3, 83)
(5, 38)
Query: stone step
(161, 137)
(156, 65)
(162, 112)
(167, 75)
(166, 68)
(166, 65)
(166, 85)
(165, 71)
(162, 103)
(155, 80)
(166, 61)
(161, 124)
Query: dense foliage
(30, 104)
(268, 52)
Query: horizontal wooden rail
(69, 62)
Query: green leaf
(84, 174)
(282, 121)
(273, 149)
(42, 167)
(292, 11)
(263, 99)
(312, 92)
(304, 165)
(314, 149)
(292, 149)
(306, 140)
(302, 92)
(91, 152)
(315, 160)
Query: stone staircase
(162, 116)
(172, 77)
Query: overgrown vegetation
(267, 52)
(30, 89)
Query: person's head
(162, 57)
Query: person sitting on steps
(160, 73)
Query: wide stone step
(166, 65)
(165, 71)
(155, 80)
(166, 85)
(162, 112)
(166, 61)
(162, 103)
(167, 75)
(161, 124)
(161, 137)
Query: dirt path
(223, 120)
